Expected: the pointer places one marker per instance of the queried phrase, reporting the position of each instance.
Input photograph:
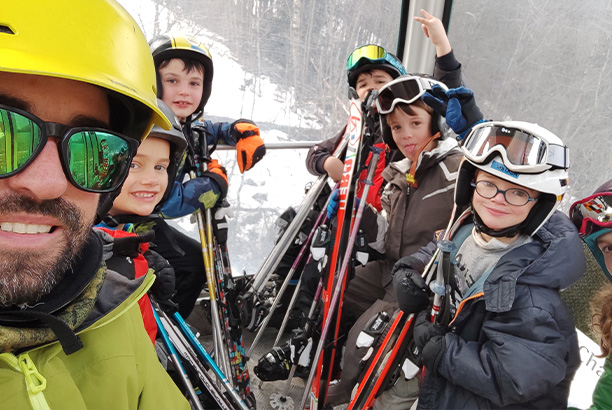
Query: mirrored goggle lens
(520, 147)
(406, 91)
(371, 52)
(20, 138)
(97, 161)
(592, 213)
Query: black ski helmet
(593, 218)
(369, 57)
(166, 47)
(178, 145)
(405, 90)
(539, 161)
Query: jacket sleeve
(522, 358)
(319, 153)
(602, 396)
(448, 70)
(219, 133)
(175, 206)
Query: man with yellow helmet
(77, 94)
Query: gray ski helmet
(178, 145)
(592, 216)
(547, 174)
(406, 89)
(166, 47)
(369, 57)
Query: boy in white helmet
(77, 94)
(503, 337)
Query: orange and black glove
(250, 148)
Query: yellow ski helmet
(93, 41)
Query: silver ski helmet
(521, 153)
(369, 57)
(592, 216)
(407, 89)
(178, 145)
(184, 47)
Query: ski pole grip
(447, 246)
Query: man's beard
(27, 275)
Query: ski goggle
(372, 54)
(404, 90)
(592, 213)
(93, 159)
(521, 151)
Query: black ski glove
(457, 105)
(433, 353)
(425, 330)
(163, 287)
(410, 289)
(130, 245)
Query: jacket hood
(554, 259)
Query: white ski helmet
(522, 153)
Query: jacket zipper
(35, 381)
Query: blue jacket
(180, 201)
(513, 345)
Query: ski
(227, 333)
(390, 352)
(248, 300)
(322, 369)
(226, 291)
(321, 219)
(175, 341)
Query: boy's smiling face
(182, 89)
(496, 212)
(147, 181)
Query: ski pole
(322, 218)
(343, 270)
(273, 259)
(177, 363)
(284, 395)
(188, 339)
(211, 282)
(201, 352)
(445, 247)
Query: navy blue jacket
(514, 345)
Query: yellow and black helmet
(93, 41)
(167, 46)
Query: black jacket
(514, 345)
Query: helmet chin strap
(410, 175)
(509, 232)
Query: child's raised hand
(434, 30)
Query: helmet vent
(6, 29)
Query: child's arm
(320, 159)
(447, 69)
(524, 357)
(206, 190)
(244, 135)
